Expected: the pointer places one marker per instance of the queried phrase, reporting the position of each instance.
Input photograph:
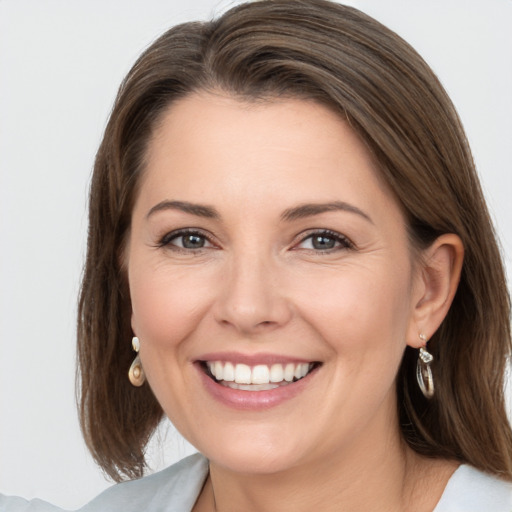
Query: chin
(256, 450)
(254, 461)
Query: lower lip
(254, 400)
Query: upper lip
(252, 359)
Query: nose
(252, 298)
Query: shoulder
(16, 504)
(175, 488)
(471, 490)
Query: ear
(437, 277)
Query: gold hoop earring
(423, 370)
(136, 372)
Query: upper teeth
(259, 374)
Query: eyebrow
(298, 212)
(310, 209)
(184, 206)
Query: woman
(285, 219)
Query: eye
(324, 241)
(186, 240)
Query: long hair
(358, 68)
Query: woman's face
(264, 247)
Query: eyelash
(343, 241)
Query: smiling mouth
(260, 377)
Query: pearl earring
(136, 372)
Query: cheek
(166, 305)
(359, 309)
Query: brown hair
(346, 60)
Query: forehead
(230, 128)
(213, 147)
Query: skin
(259, 285)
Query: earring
(423, 371)
(136, 373)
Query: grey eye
(185, 239)
(192, 241)
(323, 242)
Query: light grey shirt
(176, 489)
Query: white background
(61, 62)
